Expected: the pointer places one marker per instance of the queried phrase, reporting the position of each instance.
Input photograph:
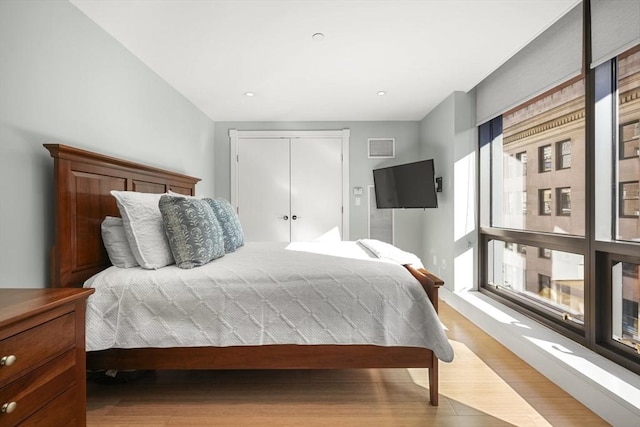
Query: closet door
(263, 189)
(316, 188)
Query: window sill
(609, 390)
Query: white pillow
(116, 243)
(144, 228)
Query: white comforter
(265, 293)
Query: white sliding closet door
(263, 189)
(316, 188)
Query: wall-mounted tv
(411, 185)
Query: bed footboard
(430, 283)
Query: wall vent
(382, 148)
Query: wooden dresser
(42, 357)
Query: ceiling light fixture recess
(382, 93)
(317, 37)
(249, 94)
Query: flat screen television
(411, 185)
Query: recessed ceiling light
(317, 36)
(249, 93)
(382, 93)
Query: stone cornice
(545, 126)
(629, 96)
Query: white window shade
(550, 59)
(615, 27)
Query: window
(522, 159)
(521, 137)
(545, 158)
(544, 253)
(563, 198)
(582, 235)
(630, 199)
(544, 285)
(544, 196)
(564, 154)
(544, 280)
(627, 166)
(556, 286)
(616, 194)
(630, 140)
(625, 303)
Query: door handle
(286, 218)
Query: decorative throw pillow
(231, 228)
(143, 226)
(116, 243)
(194, 234)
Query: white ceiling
(418, 51)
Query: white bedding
(265, 293)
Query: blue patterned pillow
(231, 228)
(194, 234)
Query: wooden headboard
(82, 182)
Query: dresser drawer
(38, 387)
(36, 345)
(59, 413)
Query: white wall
(64, 80)
(408, 223)
(448, 135)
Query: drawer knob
(8, 360)
(8, 408)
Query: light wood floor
(486, 385)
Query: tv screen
(411, 185)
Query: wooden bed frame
(83, 181)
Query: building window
(544, 283)
(630, 199)
(522, 158)
(544, 253)
(544, 197)
(627, 168)
(630, 140)
(564, 154)
(563, 201)
(545, 158)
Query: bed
(83, 181)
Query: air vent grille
(382, 148)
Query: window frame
(542, 254)
(610, 347)
(560, 211)
(621, 155)
(560, 155)
(541, 158)
(621, 199)
(595, 333)
(519, 156)
(542, 203)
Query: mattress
(266, 293)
